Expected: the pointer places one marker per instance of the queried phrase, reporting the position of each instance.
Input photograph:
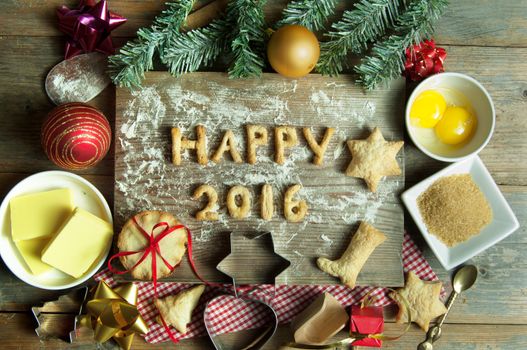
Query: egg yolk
(456, 126)
(427, 109)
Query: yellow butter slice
(31, 251)
(79, 243)
(39, 215)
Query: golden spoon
(463, 280)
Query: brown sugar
(454, 209)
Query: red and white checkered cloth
(229, 315)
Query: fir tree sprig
(197, 48)
(358, 27)
(308, 13)
(247, 39)
(387, 59)
(128, 67)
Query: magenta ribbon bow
(88, 27)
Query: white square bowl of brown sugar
(460, 211)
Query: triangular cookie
(177, 309)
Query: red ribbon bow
(423, 60)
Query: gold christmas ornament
(112, 313)
(293, 51)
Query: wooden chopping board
(145, 178)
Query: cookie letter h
(180, 143)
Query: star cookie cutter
(67, 308)
(257, 298)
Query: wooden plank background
(486, 40)
(145, 179)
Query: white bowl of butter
(18, 243)
(458, 90)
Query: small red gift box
(367, 320)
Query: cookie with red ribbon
(152, 234)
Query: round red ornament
(76, 136)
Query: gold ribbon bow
(112, 313)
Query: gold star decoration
(373, 158)
(422, 299)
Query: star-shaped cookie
(422, 298)
(373, 158)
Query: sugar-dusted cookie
(284, 137)
(180, 143)
(228, 144)
(177, 309)
(256, 136)
(348, 266)
(172, 247)
(294, 211)
(422, 297)
(373, 158)
(318, 148)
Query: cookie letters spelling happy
(258, 136)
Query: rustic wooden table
(487, 40)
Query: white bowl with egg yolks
(458, 87)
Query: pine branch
(387, 59)
(368, 21)
(308, 13)
(128, 67)
(196, 48)
(247, 39)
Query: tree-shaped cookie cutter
(71, 303)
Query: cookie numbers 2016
(239, 203)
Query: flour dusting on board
(144, 137)
(144, 115)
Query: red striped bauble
(76, 136)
